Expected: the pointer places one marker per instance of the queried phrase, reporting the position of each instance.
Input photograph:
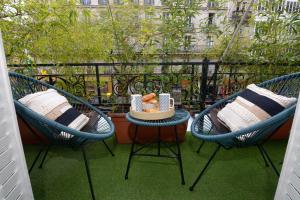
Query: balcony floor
(234, 175)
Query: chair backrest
(22, 85)
(14, 179)
(288, 187)
(287, 85)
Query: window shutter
(288, 187)
(14, 179)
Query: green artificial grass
(233, 175)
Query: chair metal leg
(201, 145)
(107, 147)
(205, 167)
(44, 158)
(269, 159)
(88, 172)
(131, 152)
(262, 154)
(35, 160)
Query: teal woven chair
(256, 135)
(99, 129)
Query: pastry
(148, 97)
(152, 101)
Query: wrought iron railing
(194, 84)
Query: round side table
(180, 116)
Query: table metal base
(176, 155)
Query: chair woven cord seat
(287, 85)
(23, 85)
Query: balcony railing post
(229, 80)
(145, 83)
(215, 78)
(51, 82)
(203, 87)
(192, 84)
(84, 84)
(98, 84)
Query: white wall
(14, 178)
(288, 187)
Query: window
(118, 2)
(260, 6)
(149, 2)
(148, 16)
(135, 1)
(280, 7)
(187, 42)
(210, 42)
(212, 4)
(137, 21)
(86, 2)
(211, 18)
(238, 6)
(190, 23)
(166, 15)
(291, 6)
(102, 2)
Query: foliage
(176, 24)
(51, 31)
(276, 38)
(61, 31)
(270, 35)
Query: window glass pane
(149, 2)
(211, 18)
(118, 1)
(210, 42)
(135, 1)
(102, 2)
(86, 2)
(212, 4)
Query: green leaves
(52, 31)
(62, 31)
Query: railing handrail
(138, 64)
(108, 64)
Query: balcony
(109, 104)
(198, 85)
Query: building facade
(211, 13)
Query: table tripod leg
(158, 141)
(179, 156)
(131, 152)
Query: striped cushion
(56, 107)
(253, 105)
